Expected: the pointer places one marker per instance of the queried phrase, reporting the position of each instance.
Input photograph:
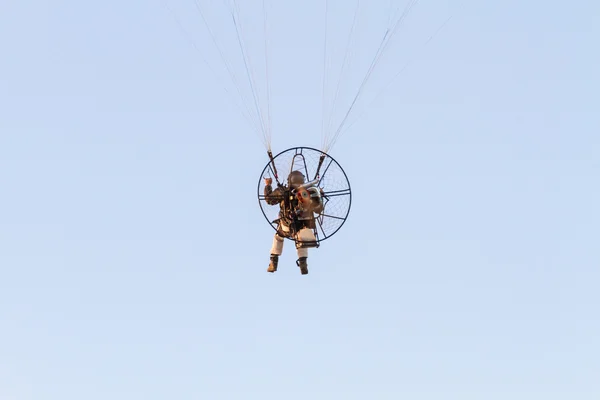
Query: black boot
(301, 262)
(273, 263)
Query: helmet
(295, 179)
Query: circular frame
(335, 187)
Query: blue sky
(134, 254)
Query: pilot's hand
(268, 181)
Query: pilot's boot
(301, 262)
(273, 263)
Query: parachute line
(346, 54)
(189, 37)
(269, 121)
(224, 59)
(389, 83)
(249, 73)
(251, 100)
(388, 34)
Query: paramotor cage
(321, 204)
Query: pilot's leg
(276, 248)
(304, 235)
